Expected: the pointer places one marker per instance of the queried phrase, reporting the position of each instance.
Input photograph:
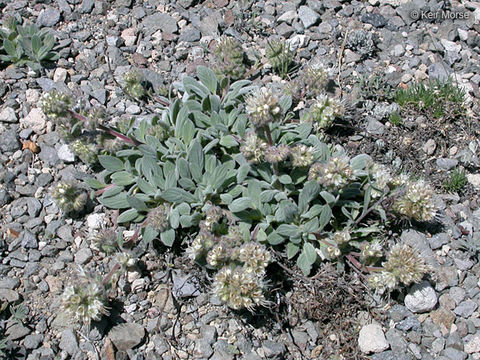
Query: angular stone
(473, 346)
(160, 21)
(8, 115)
(69, 342)
(443, 318)
(307, 16)
(48, 17)
(35, 120)
(465, 308)
(126, 336)
(372, 339)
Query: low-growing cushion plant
(234, 183)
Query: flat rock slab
(126, 336)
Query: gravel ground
(165, 312)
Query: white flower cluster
(334, 174)
(403, 265)
(84, 302)
(324, 111)
(263, 107)
(253, 148)
(417, 203)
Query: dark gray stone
(34, 206)
(87, 6)
(375, 127)
(48, 18)
(9, 283)
(190, 34)
(83, 256)
(376, 20)
(9, 141)
(29, 241)
(17, 331)
(208, 333)
(410, 323)
(203, 348)
(399, 312)
(390, 355)
(396, 341)
(159, 21)
(438, 240)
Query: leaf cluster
(26, 45)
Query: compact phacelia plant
(235, 181)
(85, 301)
(229, 58)
(69, 197)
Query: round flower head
(383, 281)
(382, 177)
(85, 301)
(335, 174)
(253, 148)
(133, 84)
(105, 240)
(255, 257)
(263, 107)
(158, 217)
(276, 154)
(86, 153)
(219, 255)
(201, 245)
(417, 202)
(324, 111)
(69, 197)
(55, 105)
(301, 155)
(239, 288)
(405, 264)
(342, 237)
(314, 79)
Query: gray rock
(410, 323)
(396, 340)
(465, 308)
(284, 30)
(17, 331)
(273, 349)
(29, 241)
(69, 342)
(390, 355)
(34, 206)
(9, 141)
(126, 336)
(203, 349)
(374, 19)
(87, 6)
(399, 312)
(308, 17)
(446, 164)
(209, 334)
(375, 127)
(83, 256)
(371, 339)
(8, 115)
(9, 295)
(159, 21)
(9, 283)
(409, 11)
(185, 286)
(287, 16)
(454, 341)
(454, 354)
(190, 34)
(64, 153)
(437, 71)
(48, 155)
(48, 17)
(32, 341)
(100, 95)
(419, 242)
(421, 298)
(438, 240)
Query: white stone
(372, 339)
(8, 115)
(287, 16)
(298, 41)
(421, 298)
(450, 45)
(474, 179)
(473, 346)
(462, 34)
(60, 75)
(65, 154)
(95, 221)
(32, 96)
(129, 36)
(36, 120)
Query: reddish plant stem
(108, 277)
(268, 134)
(112, 132)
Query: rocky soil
(163, 308)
